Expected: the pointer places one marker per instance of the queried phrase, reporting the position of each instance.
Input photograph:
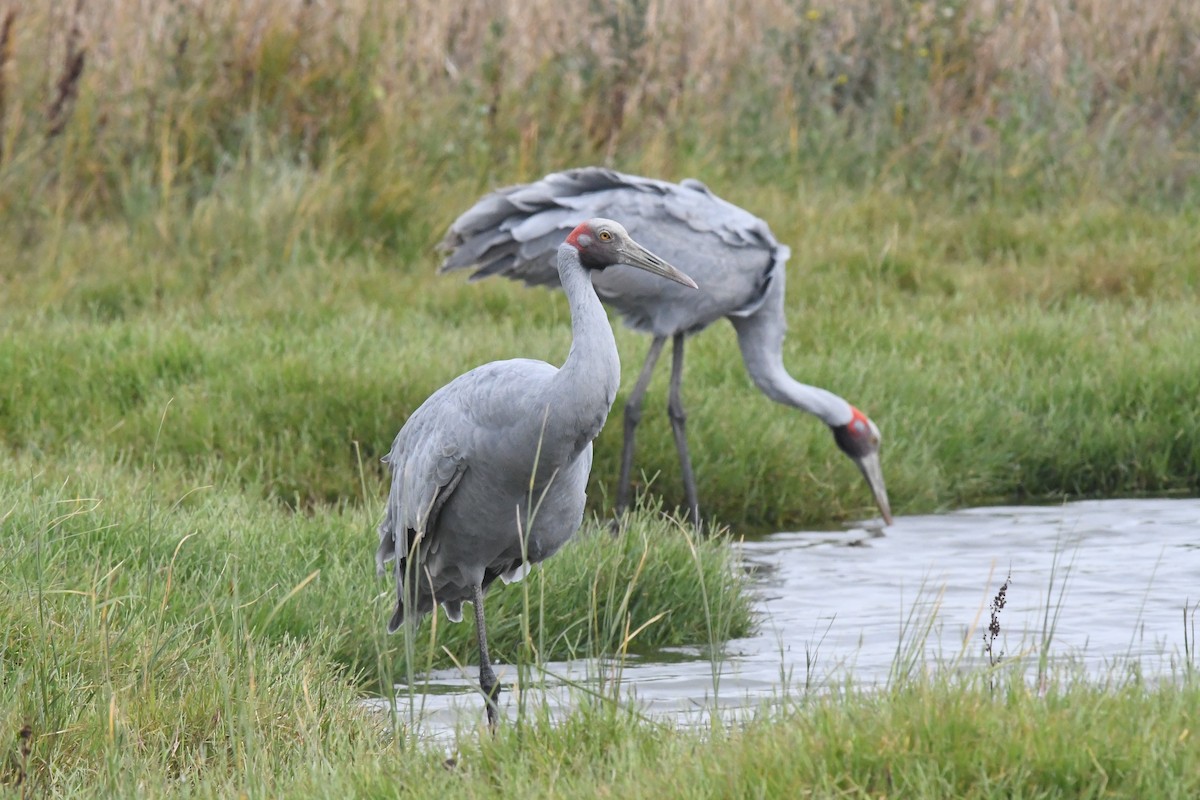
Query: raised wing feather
(515, 231)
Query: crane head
(603, 243)
(860, 440)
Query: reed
(1036, 100)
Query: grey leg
(487, 678)
(678, 425)
(633, 415)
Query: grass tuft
(208, 632)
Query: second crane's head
(859, 439)
(603, 243)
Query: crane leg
(633, 415)
(679, 427)
(487, 678)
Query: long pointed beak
(635, 255)
(872, 470)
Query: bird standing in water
(489, 474)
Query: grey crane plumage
(489, 473)
(736, 261)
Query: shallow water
(834, 605)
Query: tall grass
(205, 632)
(75, 536)
(112, 104)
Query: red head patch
(858, 425)
(583, 229)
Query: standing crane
(733, 256)
(489, 474)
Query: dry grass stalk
(993, 629)
(67, 86)
(6, 34)
(15, 771)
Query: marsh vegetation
(218, 304)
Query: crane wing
(516, 231)
(427, 464)
(473, 425)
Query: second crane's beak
(872, 470)
(635, 255)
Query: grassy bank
(91, 549)
(965, 737)
(208, 631)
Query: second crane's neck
(583, 391)
(760, 337)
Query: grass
(1021, 100)
(218, 304)
(190, 633)
(85, 545)
(931, 738)
(1005, 354)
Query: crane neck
(582, 392)
(760, 337)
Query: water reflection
(1111, 578)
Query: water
(837, 604)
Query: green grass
(946, 738)
(85, 542)
(1005, 353)
(270, 727)
(207, 632)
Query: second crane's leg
(633, 414)
(678, 425)
(487, 678)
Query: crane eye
(605, 236)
